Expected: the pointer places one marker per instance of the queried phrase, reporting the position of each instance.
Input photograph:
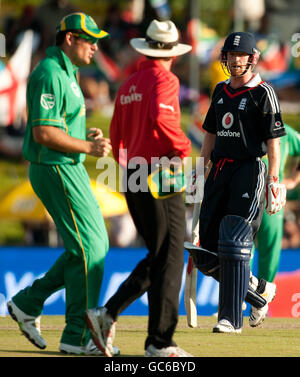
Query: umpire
(243, 123)
(55, 144)
(146, 123)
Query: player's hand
(94, 133)
(275, 195)
(100, 147)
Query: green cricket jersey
(289, 146)
(54, 98)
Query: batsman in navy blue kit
(243, 124)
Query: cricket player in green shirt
(55, 144)
(270, 233)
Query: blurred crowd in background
(275, 23)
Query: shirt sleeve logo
(48, 101)
(169, 107)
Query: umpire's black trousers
(161, 223)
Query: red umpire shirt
(146, 119)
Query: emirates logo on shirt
(227, 120)
(131, 97)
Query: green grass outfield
(276, 337)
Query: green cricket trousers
(66, 193)
(269, 244)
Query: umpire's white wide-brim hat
(161, 41)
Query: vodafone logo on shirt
(227, 120)
(131, 97)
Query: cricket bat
(190, 291)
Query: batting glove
(275, 195)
